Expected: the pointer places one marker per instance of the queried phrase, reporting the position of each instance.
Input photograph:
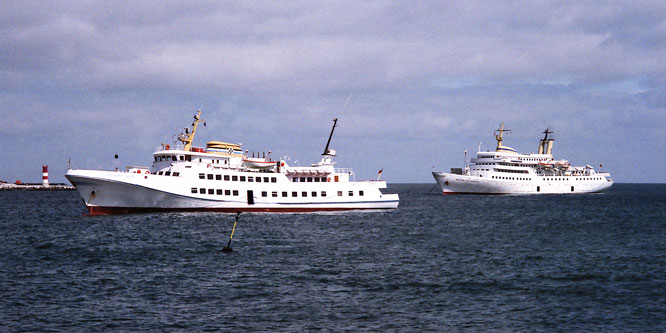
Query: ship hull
(463, 184)
(108, 192)
(102, 210)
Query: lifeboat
(257, 163)
(563, 164)
(547, 165)
(222, 145)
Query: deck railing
(165, 147)
(348, 171)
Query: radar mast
(187, 137)
(499, 137)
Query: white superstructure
(222, 178)
(505, 171)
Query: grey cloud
(422, 73)
(388, 43)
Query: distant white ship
(505, 171)
(221, 177)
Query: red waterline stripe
(475, 193)
(97, 210)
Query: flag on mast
(379, 174)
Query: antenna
(344, 105)
(499, 138)
(188, 137)
(480, 143)
(501, 130)
(335, 121)
(326, 150)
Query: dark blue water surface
(529, 263)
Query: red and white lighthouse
(45, 175)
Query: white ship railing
(347, 171)
(170, 147)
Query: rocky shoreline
(35, 187)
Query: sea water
(576, 262)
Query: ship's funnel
(550, 147)
(540, 147)
(546, 144)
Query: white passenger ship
(220, 177)
(505, 171)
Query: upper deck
(505, 160)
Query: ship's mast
(501, 131)
(188, 136)
(326, 150)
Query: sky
(414, 84)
